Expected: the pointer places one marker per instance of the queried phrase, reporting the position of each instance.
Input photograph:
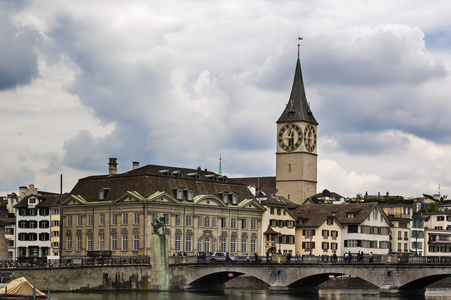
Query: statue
(157, 223)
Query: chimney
(135, 165)
(112, 166)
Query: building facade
(400, 215)
(203, 212)
(365, 227)
(279, 227)
(437, 233)
(33, 229)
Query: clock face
(290, 137)
(310, 138)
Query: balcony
(398, 215)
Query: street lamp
(280, 241)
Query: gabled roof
(297, 108)
(24, 202)
(266, 184)
(342, 212)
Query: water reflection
(339, 294)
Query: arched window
(207, 245)
(234, 199)
(225, 198)
(189, 195)
(179, 194)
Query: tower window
(289, 167)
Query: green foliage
(431, 207)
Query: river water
(339, 294)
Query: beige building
(279, 226)
(400, 215)
(204, 212)
(318, 232)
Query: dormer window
(32, 200)
(103, 192)
(167, 172)
(189, 195)
(178, 173)
(225, 198)
(350, 215)
(234, 199)
(194, 175)
(212, 177)
(179, 194)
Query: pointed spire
(220, 166)
(297, 109)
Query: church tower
(296, 156)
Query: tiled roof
(270, 230)
(150, 179)
(317, 213)
(266, 184)
(49, 200)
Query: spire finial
(299, 44)
(220, 166)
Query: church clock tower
(296, 156)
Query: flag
(299, 38)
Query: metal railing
(75, 262)
(322, 259)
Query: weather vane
(299, 43)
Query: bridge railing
(78, 262)
(324, 259)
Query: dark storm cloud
(18, 63)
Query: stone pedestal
(159, 262)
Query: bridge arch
(214, 277)
(389, 279)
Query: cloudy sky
(180, 83)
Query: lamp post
(280, 241)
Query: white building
(33, 228)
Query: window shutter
(313, 232)
(346, 243)
(303, 232)
(313, 245)
(303, 245)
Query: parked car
(222, 256)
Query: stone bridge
(388, 278)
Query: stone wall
(80, 279)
